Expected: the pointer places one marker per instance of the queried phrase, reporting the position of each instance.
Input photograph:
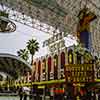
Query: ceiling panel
(60, 14)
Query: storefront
(53, 89)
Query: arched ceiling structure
(54, 16)
(13, 65)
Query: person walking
(26, 91)
(21, 93)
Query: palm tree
(32, 46)
(23, 53)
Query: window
(39, 70)
(43, 65)
(62, 60)
(56, 67)
(70, 56)
(49, 67)
(78, 58)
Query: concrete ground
(10, 98)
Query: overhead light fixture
(6, 25)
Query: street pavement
(9, 98)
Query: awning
(13, 65)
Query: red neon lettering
(58, 91)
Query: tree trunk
(31, 59)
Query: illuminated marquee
(79, 72)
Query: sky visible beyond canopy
(12, 42)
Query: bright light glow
(70, 40)
(43, 51)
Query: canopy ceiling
(52, 16)
(13, 65)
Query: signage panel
(79, 73)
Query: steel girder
(54, 16)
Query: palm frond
(32, 46)
(23, 53)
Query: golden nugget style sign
(79, 73)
